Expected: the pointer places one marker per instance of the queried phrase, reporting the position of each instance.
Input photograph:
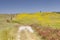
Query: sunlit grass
(43, 18)
(48, 19)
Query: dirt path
(26, 35)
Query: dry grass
(43, 19)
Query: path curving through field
(26, 33)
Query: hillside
(44, 18)
(45, 24)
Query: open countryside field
(46, 26)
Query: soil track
(26, 35)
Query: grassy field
(44, 19)
(38, 19)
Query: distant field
(51, 19)
(43, 18)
